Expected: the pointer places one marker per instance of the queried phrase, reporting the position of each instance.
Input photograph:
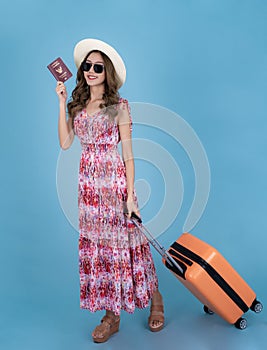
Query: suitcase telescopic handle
(160, 249)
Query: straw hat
(84, 46)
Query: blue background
(205, 60)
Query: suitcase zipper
(213, 274)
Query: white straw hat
(84, 46)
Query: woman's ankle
(112, 315)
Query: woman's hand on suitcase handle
(134, 216)
(132, 211)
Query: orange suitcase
(208, 276)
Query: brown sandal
(109, 325)
(156, 312)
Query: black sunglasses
(98, 67)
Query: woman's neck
(96, 92)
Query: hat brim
(84, 46)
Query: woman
(115, 263)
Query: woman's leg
(156, 318)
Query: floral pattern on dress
(115, 262)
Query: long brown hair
(81, 94)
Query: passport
(59, 70)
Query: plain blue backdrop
(203, 59)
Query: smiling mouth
(92, 77)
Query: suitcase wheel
(207, 310)
(241, 323)
(256, 306)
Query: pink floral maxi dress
(115, 262)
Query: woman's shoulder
(123, 100)
(123, 104)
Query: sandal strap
(108, 320)
(107, 323)
(156, 313)
(157, 308)
(103, 328)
